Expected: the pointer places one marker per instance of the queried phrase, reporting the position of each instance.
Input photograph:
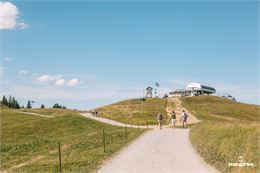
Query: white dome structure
(198, 89)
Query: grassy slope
(33, 140)
(229, 130)
(3, 107)
(130, 111)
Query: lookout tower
(149, 92)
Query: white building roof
(197, 87)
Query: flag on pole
(157, 84)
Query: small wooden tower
(149, 92)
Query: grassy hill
(3, 106)
(228, 130)
(29, 142)
(133, 112)
(219, 108)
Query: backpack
(173, 116)
(185, 115)
(160, 117)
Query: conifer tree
(29, 106)
(4, 101)
(10, 101)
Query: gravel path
(31, 113)
(159, 151)
(115, 123)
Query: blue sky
(86, 54)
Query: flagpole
(143, 104)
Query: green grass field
(29, 143)
(130, 111)
(228, 130)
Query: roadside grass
(130, 111)
(221, 144)
(30, 143)
(228, 130)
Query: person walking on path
(173, 119)
(183, 119)
(160, 120)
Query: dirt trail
(159, 151)
(175, 104)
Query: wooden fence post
(125, 133)
(104, 140)
(60, 158)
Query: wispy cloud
(9, 15)
(23, 25)
(23, 72)
(73, 82)
(8, 59)
(48, 78)
(58, 80)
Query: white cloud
(23, 72)
(23, 25)
(73, 82)
(60, 82)
(48, 78)
(9, 14)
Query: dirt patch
(178, 110)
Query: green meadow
(29, 143)
(228, 131)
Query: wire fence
(58, 156)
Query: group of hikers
(183, 119)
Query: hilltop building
(193, 89)
(179, 93)
(149, 92)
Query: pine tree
(13, 103)
(4, 101)
(29, 106)
(42, 106)
(17, 106)
(10, 101)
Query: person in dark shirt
(173, 119)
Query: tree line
(11, 102)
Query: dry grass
(228, 130)
(130, 111)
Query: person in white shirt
(183, 119)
